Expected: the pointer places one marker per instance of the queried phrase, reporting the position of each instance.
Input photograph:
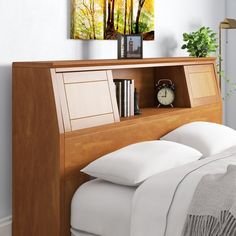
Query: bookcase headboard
(52, 141)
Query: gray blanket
(213, 208)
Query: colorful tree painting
(105, 19)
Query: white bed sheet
(80, 233)
(102, 208)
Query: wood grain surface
(47, 158)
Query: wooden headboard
(50, 148)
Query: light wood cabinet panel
(79, 77)
(91, 121)
(202, 85)
(87, 99)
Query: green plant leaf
(200, 43)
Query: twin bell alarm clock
(165, 93)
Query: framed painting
(106, 19)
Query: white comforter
(161, 203)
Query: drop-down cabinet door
(202, 84)
(87, 99)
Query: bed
(51, 146)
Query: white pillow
(133, 164)
(208, 138)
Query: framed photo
(130, 46)
(134, 46)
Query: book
(125, 96)
(131, 97)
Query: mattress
(101, 208)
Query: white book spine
(125, 99)
(120, 97)
(128, 98)
(132, 98)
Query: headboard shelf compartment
(48, 154)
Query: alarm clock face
(165, 96)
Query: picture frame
(134, 46)
(130, 46)
(104, 20)
(121, 46)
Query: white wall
(230, 69)
(39, 30)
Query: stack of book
(125, 96)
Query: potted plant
(201, 43)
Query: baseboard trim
(5, 226)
